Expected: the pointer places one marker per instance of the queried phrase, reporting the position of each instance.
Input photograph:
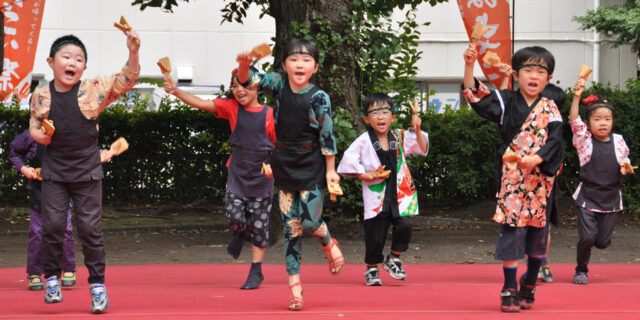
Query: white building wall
(190, 36)
(544, 23)
(193, 36)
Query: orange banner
(494, 14)
(22, 20)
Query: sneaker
(510, 300)
(372, 277)
(526, 294)
(68, 281)
(545, 274)
(33, 285)
(394, 266)
(581, 278)
(99, 298)
(53, 294)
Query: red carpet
(430, 292)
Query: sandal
(336, 264)
(296, 303)
(68, 280)
(33, 285)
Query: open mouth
(69, 73)
(300, 74)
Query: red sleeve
(227, 109)
(270, 126)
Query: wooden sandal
(336, 264)
(296, 303)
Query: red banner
(494, 14)
(22, 20)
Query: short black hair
(555, 93)
(299, 44)
(376, 98)
(534, 54)
(64, 40)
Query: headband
(379, 108)
(532, 65)
(299, 52)
(68, 40)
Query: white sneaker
(394, 266)
(53, 293)
(372, 277)
(99, 298)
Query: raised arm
(134, 47)
(422, 142)
(194, 101)
(244, 62)
(578, 89)
(470, 56)
(506, 71)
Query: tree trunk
(343, 90)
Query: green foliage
(624, 21)
(166, 5)
(177, 153)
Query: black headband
(299, 52)
(64, 41)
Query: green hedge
(176, 153)
(179, 153)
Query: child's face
(299, 68)
(532, 79)
(381, 119)
(244, 96)
(600, 123)
(68, 64)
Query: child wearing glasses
(377, 157)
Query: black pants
(375, 236)
(87, 201)
(594, 229)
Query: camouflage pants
(301, 210)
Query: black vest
(297, 162)
(73, 154)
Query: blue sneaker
(581, 278)
(53, 293)
(99, 298)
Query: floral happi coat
(522, 195)
(361, 157)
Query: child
(558, 96)
(602, 157)
(71, 167)
(22, 149)
(391, 198)
(531, 131)
(303, 161)
(249, 194)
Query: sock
(255, 276)
(545, 261)
(395, 254)
(533, 265)
(369, 266)
(510, 281)
(235, 245)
